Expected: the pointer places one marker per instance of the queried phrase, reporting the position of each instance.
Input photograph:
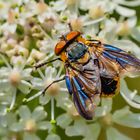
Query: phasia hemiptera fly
(92, 69)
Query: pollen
(76, 24)
(30, 125)
(15, 78)
(123, 29)
(96, 12)
(53, 89)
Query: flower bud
(41, 6)
(17, 60)
(76, 24)
(48, 24)
(26, 42)
(12, 42)
(96, 12)
(23, 51)
(37, 55)
(36, 32)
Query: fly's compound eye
(59, 47)
(72, 35)
(65, 41)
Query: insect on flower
(92, 69)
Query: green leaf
(19, 29)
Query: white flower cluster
(29, 30)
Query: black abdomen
(109, 86)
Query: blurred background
(29, 30)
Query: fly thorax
(77, 52)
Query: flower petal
(78, 129)
(130, 96)
(126, 12)
(93, 132)
(37, 83)
(114, 134)
(106, 106)
(127, 118)
(24, 87)
(43, 125)
(16, 127)
(133, 3)
(26, 74)
(53, 137)
(43, 100)
(136, 33)
(30, 136)
(4, 85)
(61, 99)
(24, 112)
(63, 120)
(39, 113)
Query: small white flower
(15, 78)
(29, 123)
(56, 90)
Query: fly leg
(56, 81)
(45, 63)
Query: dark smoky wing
(82, 101)
(125, 61)
(85, 89)
(113, 62)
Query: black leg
(70, 27)
(56, 81)
(95, 41)
(45, 63)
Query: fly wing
(85, 88)
(121, 61)
(113, 62)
